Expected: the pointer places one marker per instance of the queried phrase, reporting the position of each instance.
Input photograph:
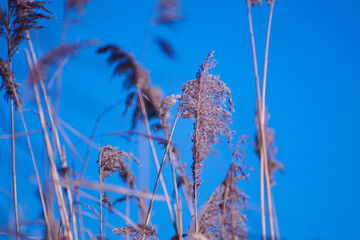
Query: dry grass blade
(138, 232)
(116, 189)
(204, 99)
(20, 134)
(222, 217)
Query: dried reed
(206, 100)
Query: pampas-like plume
(52, 57)
(139, 232)
(204, 99)
(135, 77)
(8, 83)
(221, 217)
(113, 161)
(168, 12)
(20, 18)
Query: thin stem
(195, 188)
(127, 202)
(159, 171)
(180, 220)
(267, 177)
(100, 197)
(27, 133)
(258, 100)
(277, 230)
(176, 193)
(54, 130)
(54, 173)
(14, 170)
(172, 162)
(8, 38)
(156, 162)
(68, 192)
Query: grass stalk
(159, 168)
(180, 220)
(177, 213)
(100, 195)
(27, 133)
(54, 174)
(172, 162)
(68, 193)
(54, 131)
(195, 187)
(263, 114)
(258, 102)
(159, 171)
(14, 170)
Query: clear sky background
(312, 96)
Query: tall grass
(205, 100)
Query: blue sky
(312, 96)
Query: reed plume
(138, 232)
(222, 216)
(112, 161)
(21, 17)
(204, 99)
(134, 77)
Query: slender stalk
(195, 188)
(159, 171)
(8, 38)
(27, 133)
(267, 175)
(258, 100)
(20, 134)
(156, 163)
(179, 230)
(100, 197)
(172, 162)
(53, 169)
(127, 203)
(68, 193)
(54, 131)
(14, 170)
(84, 165)
(187, 199)
(180, 220)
